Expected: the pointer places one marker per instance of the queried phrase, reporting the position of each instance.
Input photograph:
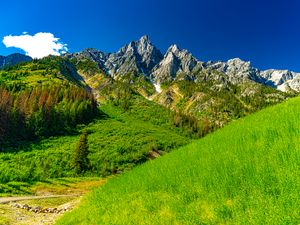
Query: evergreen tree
(80, 161)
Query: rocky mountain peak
(176, 61)
(139, 56)
(173, 48)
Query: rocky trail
(46, 206)
(32, 210)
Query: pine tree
(80, 161)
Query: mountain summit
(137, 56)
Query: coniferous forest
(43, 112)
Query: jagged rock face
(175, 62)
(138, 56)
(13, 59)
(282, 79)
(237, 70)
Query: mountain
(283, 80)
(13, 59)
(174, 63)
(217, 92)
(203, 95)
(239, 71)
(147, 105)
(136, 57)
(141, 57)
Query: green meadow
(245, 173)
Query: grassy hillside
(245, 173)
(47, 71)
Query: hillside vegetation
(42, 98)
(245, 173)
(117, 141)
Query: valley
(180, 141)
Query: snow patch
(282, 87)
(157, 87)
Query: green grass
(56, 186)
(245, 173)
(47, 71)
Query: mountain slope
(13, 59)
(41, 72)
(245, 173)
(42, 98)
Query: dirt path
(55, 198)
(20, 216)
(6, 200)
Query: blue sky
(267, 33)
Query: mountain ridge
(142, 57)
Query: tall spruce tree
(80, 161)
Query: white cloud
(36, 46)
